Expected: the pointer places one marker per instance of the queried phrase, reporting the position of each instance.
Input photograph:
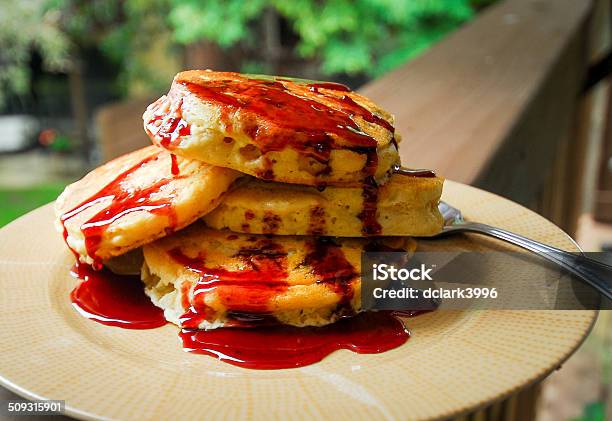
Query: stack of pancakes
(255, 202)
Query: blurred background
(508, 95)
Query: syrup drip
(122, 202)
(370, 225)
(174, 168)
(414, 172)
(371, 160)
(349, 103)
(170, 127)
(395, 145)
(288, 347)
(114, 300)
(329, 263)
(248, 290)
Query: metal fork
(597, 275)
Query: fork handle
(596, 274)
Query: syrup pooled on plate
(114, 300)
(289, 347)
(119, 300)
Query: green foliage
(595, 411)
(17, 202)
(367, 37)
(225, 22)
(362, 36)
(27, 26)
(135, 31)
(371, 36)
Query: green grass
(17, 202)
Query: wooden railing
(495, 104)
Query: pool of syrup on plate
(119, 300)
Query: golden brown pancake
(206, 278)
(404, 206)
(275, 128)
(136, 199)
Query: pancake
(274, 128)
(205, 278)
(136, 199)
(404, 206)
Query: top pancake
(136, 199)
(275, 128)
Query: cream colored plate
(454, 362)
